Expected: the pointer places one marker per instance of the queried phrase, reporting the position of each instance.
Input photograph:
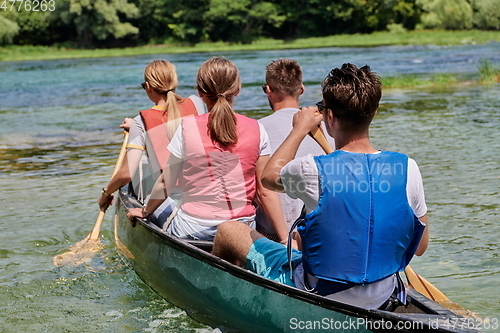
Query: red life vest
(155, 120)
(218, 182)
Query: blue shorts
(270, 259)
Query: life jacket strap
(298, 221)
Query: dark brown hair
(284, 75)
(352, 94)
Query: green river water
(59, 139)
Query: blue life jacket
(363, 229)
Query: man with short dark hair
(366, 211)
(283, 88)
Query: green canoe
(222, 295)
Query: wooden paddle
(320, 138)
(415, 281)
(84, 250)
(427, 289)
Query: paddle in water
(84, 250)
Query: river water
(59, 139)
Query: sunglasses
(264, 88)
(321, 108)
(143, 85)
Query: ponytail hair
(162, 77)
(219, 79)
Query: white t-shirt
(300, 178)
(278, 126)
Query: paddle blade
(83, 251)
(427, 289)
(80, 253)
(423, 286)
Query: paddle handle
(123, 150)
(94, 235)
(318, 136)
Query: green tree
(33, 27)
(8, 30)
(303, 18)
(171, 20)
(486, 14)
(42, 27)
(240, 20)
(354, 16)
(446, 14)
(187, 22)
(98, 19)
(407, 13)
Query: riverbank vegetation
(417, 37)
(88, 24)
(487, 73)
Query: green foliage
(115, 23)
(171, 20)
(487, 14)
(446, 14)
(488, 73)
(98, 19)
(437, 37)
(396, 28)
(302, 18)
(35, 27)
(41, 27)
(444, 79)
(8, 30)
(406, 13)
(406, 81)
(240, 21)
(367, 16)
(414, 81)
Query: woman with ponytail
(152, 129)
(216, 159)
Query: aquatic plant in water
(488, 73)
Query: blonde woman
(152, 129)
(216, 158)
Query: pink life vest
(155, 120)
(218, 183)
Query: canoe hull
(225, 296)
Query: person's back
(218, 181)
(283, 88)
(362, 204)
(150, 132)
(153, 128)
